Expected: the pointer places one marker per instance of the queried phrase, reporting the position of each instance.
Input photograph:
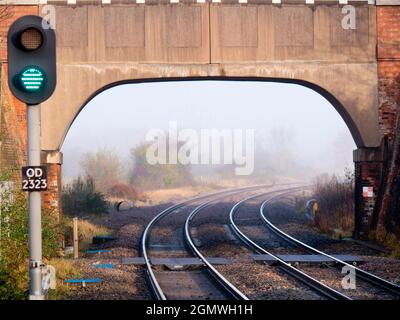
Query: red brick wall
(388, 72)
(367, 174)
(8, 14)
(13, 111)
(388, 32)
(13, 127)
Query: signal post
(32, 79)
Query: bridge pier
(368, 163)
(52, 197)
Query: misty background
(298, 132)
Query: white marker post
(76, 238)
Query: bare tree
(105, 167)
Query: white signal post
(35, 207)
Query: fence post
(75, 236)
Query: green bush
(14, 254)
(105, 167)
(81, 197)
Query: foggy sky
(120, 117)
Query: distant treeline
(106, 176)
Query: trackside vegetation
(14, 242)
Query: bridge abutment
(51, 198)
(368, 169)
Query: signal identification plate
(34, 178)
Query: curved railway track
(371, 279)
(309, 281)
(359, 273)
(216, 285)
(205, 280)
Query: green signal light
(32, 79)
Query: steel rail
(154, 284)
(225, 283)
(361, 274)
(311, 282)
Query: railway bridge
(103, 43)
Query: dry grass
(158, 196)
(335, 197)
(389, 240)
(165, 195)
(86, 231)
(65, 269)
(227, 183)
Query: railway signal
(31, 60)
(32, 79)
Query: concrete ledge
(388, 2)
(52, 157)
(22, 2)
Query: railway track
(374, 282)
(201, 282)
(204, 281)
(287, 268)
(360, 274)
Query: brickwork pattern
(12, 111)
(367, 174)
(388, 33)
